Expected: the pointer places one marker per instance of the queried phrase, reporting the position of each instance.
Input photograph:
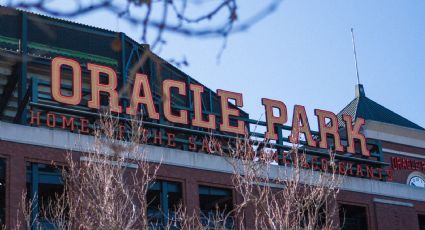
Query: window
(44, 184)
(163, 198)
(352, 217)
(421, 219)
(318, 223)
(215, 204)
(2, 191)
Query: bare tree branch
(171, 19)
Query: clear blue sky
(302, 54)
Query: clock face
(417, 181)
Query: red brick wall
(401, 175)
(16, 156)
(380, 216)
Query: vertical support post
(280, 142)
(154, 68)
(156, 82)
(189, 101)
(34, 195)
(34, 94)
(381, 154)
(123, 59)
(211, 101)
(34, 89)
(124, 71)
(164, 200)
(279, 135)
(190, 104)
(22, 76)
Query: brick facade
(381, 214)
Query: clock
(417, 181)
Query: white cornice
(392, 202)
(401, 153)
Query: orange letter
(136, 99)
(35, 118)
(75, 98)
(197, 107)
(226, 111)
(51, 120)
(354, 133)
(168, 113)
(67, 123)
(325, 129)
(300, 125)
(97, 87)
(271, 119)
(84, 123)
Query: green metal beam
(73, 53)
(22, 76)
(8, 90)
(9, 40)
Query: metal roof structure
(362, 106)
(29, 42)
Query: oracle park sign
(79, 93)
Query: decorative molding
(401, 153)
(393, 202)
(128, 165)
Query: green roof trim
(8, 40)
(62, 51)
(73, 53)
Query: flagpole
(355, 56)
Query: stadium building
(55, 75)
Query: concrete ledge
(70, 141)
(392, 202)
(401, 153)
